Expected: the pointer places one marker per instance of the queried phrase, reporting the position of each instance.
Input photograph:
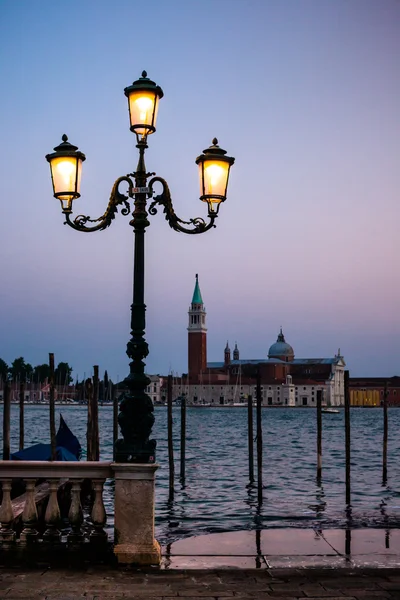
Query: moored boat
(68, 447)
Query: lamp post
(136, 416)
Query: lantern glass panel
(66, 172)
(213, 177)
(143, 108)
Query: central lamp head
(143, 97)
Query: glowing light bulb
(144, 105)
(214, 174)
(67, 172)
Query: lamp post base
(126, 452)
(136, 419)
(130, 554)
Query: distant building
(285, 380)
(369, 391)
(156, 390)
(38, 392)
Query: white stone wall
(154, 389)
(272, 395)
(336, 385)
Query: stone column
(134, 541)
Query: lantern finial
(64, 137)
(144, 73)
(215, 141)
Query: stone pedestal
(134, 541)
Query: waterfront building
(285, 379)
(157, 389)
(369, 391)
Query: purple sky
(304, 93)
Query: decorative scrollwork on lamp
(116, 198)
(164, 200)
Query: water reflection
(215, 495)
(347, 543)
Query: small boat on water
(67, 447)
(330, 410)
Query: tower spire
(197, 299)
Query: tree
(18, 369)
(62, 374)
(4, 369)
(41, 373)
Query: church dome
(281, 349)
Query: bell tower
(197, 336)
(227, 355)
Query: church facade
(285, 379)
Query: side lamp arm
(116, 198)
(164, 199)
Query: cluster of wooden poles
(259, 438)
(91, 394)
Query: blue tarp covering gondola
(42, 452)
(68, 447)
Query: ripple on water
(216, 496)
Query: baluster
(52, 516)
(99, 516)
(7, 535)
(29, 516)
(75, 515)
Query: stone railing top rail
(35, 469)
(32, 469)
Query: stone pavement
(106, 583)
(276, 563)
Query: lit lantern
(66, 169)
(214, 169)
(143, 97)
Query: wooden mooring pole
(89, 430)
(95, 414)
(259, 439)
(347, 435)
(183, 436)
(114, 400)
(21, 415)
(385, 436)
(250, 436)
(6, 420)
(53, 442)
(170, 439)
(319, 436)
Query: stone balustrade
(54, 473)
(133, 512)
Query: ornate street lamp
(136, 416)
(66, 168)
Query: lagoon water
(216, 496)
